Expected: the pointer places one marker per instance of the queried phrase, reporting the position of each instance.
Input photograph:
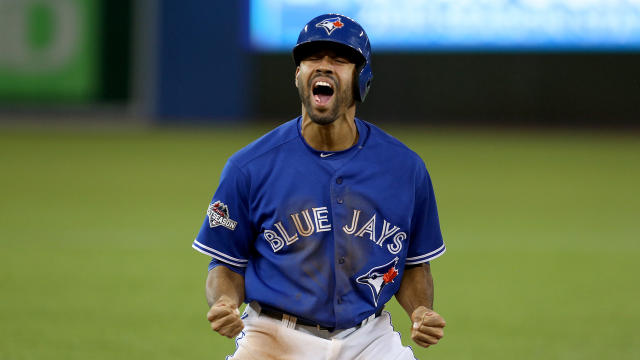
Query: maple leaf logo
(390, 275)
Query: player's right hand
(225, 318)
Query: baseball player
(318, 223)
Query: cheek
(302, 74)
(347, 81)
(349, 78)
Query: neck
(337, 136)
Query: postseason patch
(218, 214)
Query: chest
(370, 202)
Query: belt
(279, 315)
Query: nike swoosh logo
(324, 155)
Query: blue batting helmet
(338, 29)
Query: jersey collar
(363, 134)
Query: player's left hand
(427, 326)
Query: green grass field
(542, 231)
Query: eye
(313, 58)
(342, 60)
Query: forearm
(416, 288)
(222, 282)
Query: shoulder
(267, 144)
(381, 141)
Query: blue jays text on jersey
(324, 236)
(320, 222)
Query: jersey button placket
(341, 260)
(342, 281)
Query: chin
(322, 119)
(325, 117)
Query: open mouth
(322, 92)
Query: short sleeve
(215, 263)
(426, 241)
(227, 231)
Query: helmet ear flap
(364, 81)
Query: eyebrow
(332, 54)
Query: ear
(297, 73)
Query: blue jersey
(324, 236)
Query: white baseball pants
(265, 338)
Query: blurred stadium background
(116, 118)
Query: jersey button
(339, 180)
(340, 201)
(341, 260)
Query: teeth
(322, 83)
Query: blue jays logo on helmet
(330, 24)
(344, 31)
(378, 277)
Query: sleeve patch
(218, 214)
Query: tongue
(321, 99)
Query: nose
(325, 65)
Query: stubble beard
(341, 100)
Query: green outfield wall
(49, 50)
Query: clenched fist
(427, 327)
(225, 318)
